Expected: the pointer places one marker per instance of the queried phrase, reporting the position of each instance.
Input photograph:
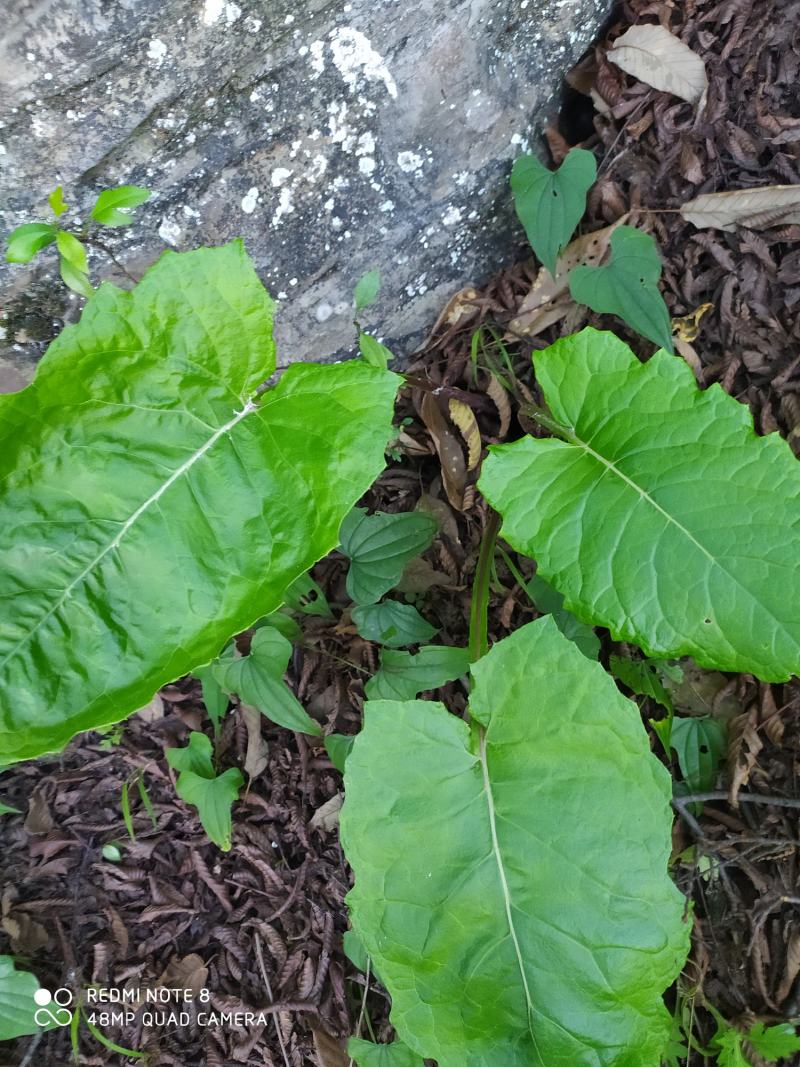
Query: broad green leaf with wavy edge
(150, 506)
(517, 914)
(660, 514)
(394, 1054)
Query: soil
(261, 926)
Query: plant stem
(479, 609)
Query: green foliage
(403, 675)
(491, 938)
(111, 852)
(306, 596)
(700, 744)
(198, 784)
(395, 1054)
(258, 681)
(550, 204)
(184, 506)
(367, 289)
(56, 202)
(379, 546)
(338, 748)
(627, 286)
(6, 809)
(660, 514)
(114, 207)
(17, 1006)
(355, 951)
(392, 624)
(773, 1042)
(551, 602)
(215, 698)
(73, 263)
(28, 239)
(373, 352)
(642, 677)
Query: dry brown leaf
(458, 307)
(257, 755)
(38, 820)
(657, 57)
(500, 399)
(331, 1052)
(771, 205)
(792, 969)
(548, 300)
(419, 577)
(688, 326)
(25, 934)
(464, 418)
(451, 456)
(153, 711)
(442, 512)
(744, 745)
(327, 817)
(188, 972)
(689, 353)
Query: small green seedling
(113, 207)
(198, 784)
(364, 294)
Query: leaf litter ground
(263, 924)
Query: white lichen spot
(355, 58)
(31, 58)
(255, 96)
(387, 205)
(48, 76)
(366, 164)
(323, 312)
(451, 216)
(317, 168)
(190, 212)
(285, 206)
(169, 231)
(279, 176)
(409, 162)
(365, 146)
(212, 10)
(253, 24)
(157, 51)
(317, 49)
(288, 20)
(249, 200)
(2, 149)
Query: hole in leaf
(704, 749)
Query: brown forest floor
(264, 923)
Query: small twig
(363, 1010)
(743, 798)
(474, 400)
(27, 1059)
(265, 979)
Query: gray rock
(333, 135)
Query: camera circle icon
(42, 997)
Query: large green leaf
(627, 286)
(150, 507)
(396, 1054)
(550, 203)
(515, 910)
(661, 514)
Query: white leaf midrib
(178, 473)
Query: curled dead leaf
(326, 817)
(464, 418)
(187, 972)
(257, 755)
(500, 399)
(451, 455)
(771, 205)
(459, 307)
(658, 58)
(744, 745)
(687, 327)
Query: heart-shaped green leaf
(517, 914)
(403, 675)
(395, 1054)
(258, 680)
(661, 514)
(379, 546)
(627, 286)
(18, 1009)
(551, 203)
(212, 794)
(392, 624)
(151, 506)
(699, 742)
